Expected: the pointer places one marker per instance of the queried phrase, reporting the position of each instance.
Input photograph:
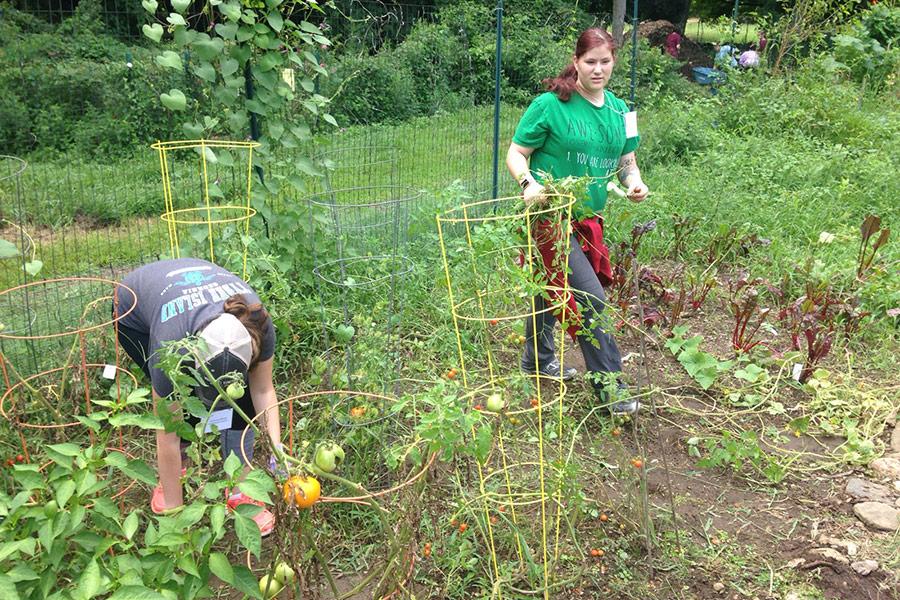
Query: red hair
(564, 84)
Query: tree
(618, 21)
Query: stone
(878, 515)
(895, 438)
(831, 554)
(897, 486)
(719, 586)
(847, 546)
(862, 490)
(864, 567)
(796, 562)
(887, 466)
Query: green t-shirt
(576, 138)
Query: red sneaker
(264, 519)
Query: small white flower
(129, 65)
(826, 238)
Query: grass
(715, 32)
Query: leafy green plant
(736, 452)
(703, 367)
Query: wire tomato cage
(54, 362)
(207, 190)
(500, 256)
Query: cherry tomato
(463, 527)
(20, 458)
(637, 463)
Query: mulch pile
(691, 54)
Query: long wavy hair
(564, 84)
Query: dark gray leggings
(601, 355)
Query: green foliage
(737, 452)
(702, 366)
(868, 50)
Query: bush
(373, 89)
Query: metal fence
(91, 218)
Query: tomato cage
(58, 354)
(207, 189)
(359, 242)
(506, 264)
(377, 482)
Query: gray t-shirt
(176, 298)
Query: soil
(728, 514)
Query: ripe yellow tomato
(301, 491)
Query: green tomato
(284, 573)
(338, 454)
(325, 458)
(235, 390)
(269, 589)
(495, 402)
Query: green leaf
(176, 19)
(8, 589)
(247, 532)
(231, 10)
(306, 165)
(483, 441)
(154, 32)
(33, 267)
(140, 471)
(169, 60)
(329, 119)
(135, 592)
(205, 71)
(232, 464)
(89, 584)
(227, 30)
(275, 20)
(66, 449)
(258, 486)
(174, 100)
(181, 5)
(150, 6)
(246, 582)
(228, 67)
(209, 49)
(144, 421)
(217, 517)
(269, 61)
(344, 333)
(130, 525)
(8, 249)
(221, 568)
(64, 493)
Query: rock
(888, 466)
(895, 438)
(878, 515)
(864, 567)
(862, 490)
(847, 546)
(796, 562)
(831, 554)
(897, 486)
(719, 586)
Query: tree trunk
(618, 21)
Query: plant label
(221, 419)
(109, 371)
(798, 369)
(631, 124)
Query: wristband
(524, 182)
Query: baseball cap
(229, 349)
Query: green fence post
(497, 65)
(734, 16)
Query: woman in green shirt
(579, 128)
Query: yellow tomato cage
(209, 213)
(475, 291)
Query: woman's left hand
(637, 191)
